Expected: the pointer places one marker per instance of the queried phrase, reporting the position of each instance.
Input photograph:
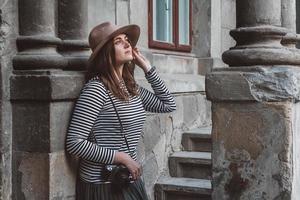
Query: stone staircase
(190, 169)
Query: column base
(39, 61)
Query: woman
(109, 102)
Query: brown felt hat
(102, 33)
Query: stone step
(197, 140)
(170, 188)
(190, 164)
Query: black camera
(118, 175)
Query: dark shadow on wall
(298, 20)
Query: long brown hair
(103, 66)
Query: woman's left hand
(140, 60)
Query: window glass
(184, 26)
(162, 20)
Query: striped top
(94, 112)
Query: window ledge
(169, 52)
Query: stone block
(234, 86)
(252, 150)
(43, 176)
(30, 176)
(31, 126)
(62, 176)
(45, 130)
(60, 116)
(66, 85)
(43, 86)
(258, 83)
(26, 86)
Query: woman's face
(123, 50)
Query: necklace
(123, 87)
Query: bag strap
(121, 125)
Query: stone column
(42, 96)
(37, 41)
(288, 15)
(73, 30)
(255, 113)
(259, 35)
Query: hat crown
(101, 32)
(106, 31)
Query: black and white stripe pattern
(94, 112)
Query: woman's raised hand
(140, 60)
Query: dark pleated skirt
(90, 191)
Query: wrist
(121, 158)
(147, 68)
(149, 72)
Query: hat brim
(132, 31)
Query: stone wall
(228, 23)
(298, 19)
(8, 34)
(162, 135)
(43, 99)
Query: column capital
(259, 36)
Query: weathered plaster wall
(228, 23)
(254, 155)
(296, 150)
(162, 135)
(8, 34)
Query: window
(170, 24)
